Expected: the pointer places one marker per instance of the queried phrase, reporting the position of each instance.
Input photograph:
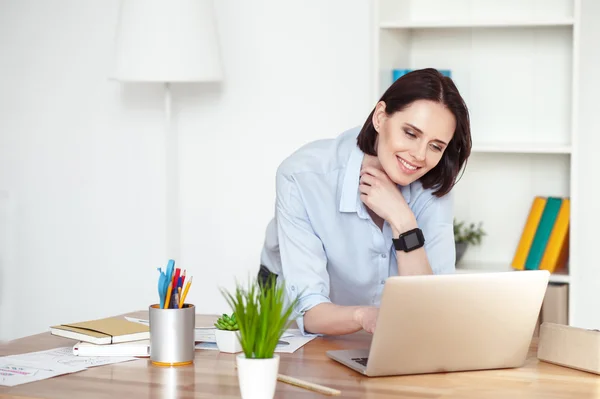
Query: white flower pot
(257, 377)
(227, 341)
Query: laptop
(451, 322)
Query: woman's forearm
(331, 319)
(413, 263)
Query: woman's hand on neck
(371, 160)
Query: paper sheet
(17, 372)
(35, 366)
(208, 335)
(290, 342)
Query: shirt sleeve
(436, 221)
(303, 258)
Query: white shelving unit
(518, 65)
(521, 148)
(482, 267)
(474, 23)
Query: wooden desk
(213, 375)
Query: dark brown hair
(427, 84)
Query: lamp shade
(167, 41)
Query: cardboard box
(555, 308)
(568, 346)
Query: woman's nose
(419, 153)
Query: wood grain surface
(213, 375)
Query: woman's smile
(406, 166)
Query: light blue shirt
(323, 242)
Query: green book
(542, 234)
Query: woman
(371, 203)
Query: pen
(174, 303)
(176, 279)
(168, 280)
(161, 287)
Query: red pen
(182, 279)
(176, 279)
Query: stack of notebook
(113, 336)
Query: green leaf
(261, 315)
(226, 322)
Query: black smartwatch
(409, 240)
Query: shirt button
(382, 281)
(383, 256)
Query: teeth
(408, 166)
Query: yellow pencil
(169, 294)
(185, 291)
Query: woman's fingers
(371, 171)
(367, 179)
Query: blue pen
(161, 287)
(170, 268)
(169, 276)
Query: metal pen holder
(172, 335)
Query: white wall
(82, 158)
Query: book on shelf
(110, 330)
(544, 241)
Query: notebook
(128, 349)
(110, 330)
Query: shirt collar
(350, 196)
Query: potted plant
(226, 334)
(262, 316)
(465, 235)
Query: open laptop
(453, 322)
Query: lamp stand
(173, 225)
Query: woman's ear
(379, 115)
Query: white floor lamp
(168, 41)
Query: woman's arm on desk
(331, 319)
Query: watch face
(411, 240)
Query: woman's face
(411, 142)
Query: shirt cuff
(305, 304)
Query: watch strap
(409, 240)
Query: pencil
(185, 291)
(169, 294)
(308, 385)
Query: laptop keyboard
(361, 360)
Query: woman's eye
(408, 133)
(436, 147)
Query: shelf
(521, 148)
(475, 24)
(489, 267)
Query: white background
(82, 157)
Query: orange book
(557, 250)
(529, 230)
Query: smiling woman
(376, 201)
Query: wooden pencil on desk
(308, 385)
